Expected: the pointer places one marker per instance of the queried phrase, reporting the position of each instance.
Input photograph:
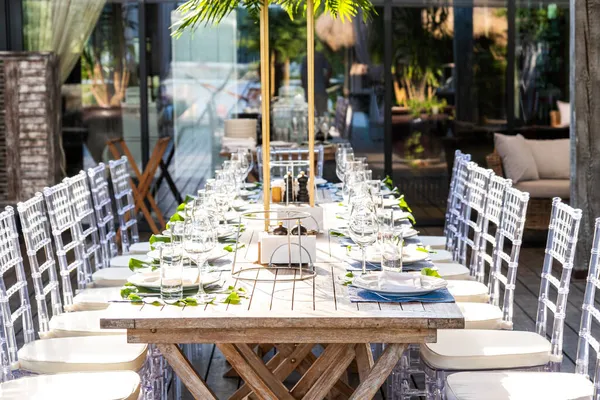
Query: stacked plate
(240, 128)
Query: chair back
(38, 243)
(455, 195)
(104, 212)
(590, 312)
(63, 220)
(491, 220)
(508, 240)
(278, 154)
(15, 310)
(469, 234)
(560, 248)
(86, 215)
(128, 228)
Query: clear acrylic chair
(494, 201)
(469, 231)
(584, 383)
(57, 355)
(86, 215)
(128, 228)
(104, 212)
(473, 349)
(456, 201)
(284, 154)
(36, 232)
(68, 233)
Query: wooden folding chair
(142, 192)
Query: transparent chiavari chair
(583, 384)
(104, 212)
(496, 191)
(285, 154)
(86, 215)
(441, 242)
(128, 228)
(469, 232)
(476, 349)
(68, 233)
(451, 229)
(38, 242)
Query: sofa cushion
(552, 158)
(564, 109)
(524, 385)
(517, 160)
(546, 188)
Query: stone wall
(30, 153)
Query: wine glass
(222, 197)
(346, 155)
(363, 227)
(200, 239)
(247, 161)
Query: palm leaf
(194, 12)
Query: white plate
(320, 181)
(249, 185)
(410, 255)
(151, 279)
(225, 231)
(246, 193)
(217, 253)
(405, 284)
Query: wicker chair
(539, 210)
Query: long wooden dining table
(295, 317)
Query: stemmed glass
(222, 197)
(363, 227)
(246, 161)
(200, 239)
(346, 155)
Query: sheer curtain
(60, 26)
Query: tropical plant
(107, 56)
(213, 11)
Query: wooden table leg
(364, 360)
(381, 370)
(184, 370)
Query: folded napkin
(398, 282)
(357, 295)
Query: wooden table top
(313, 310)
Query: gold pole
(310, 69)
(266, 104)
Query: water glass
(177, 230)
(391, 252)
(171, 272)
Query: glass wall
(459, 74)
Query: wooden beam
(310, 75)
(379, 373)
(184, 370)
(266, 106)
(585, 130)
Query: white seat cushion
(475, 349)
(82, 354)
(468, 291)
(518, 386)
(83, 323)
(453, 271)
(441, 256)
(122, 261)
(435, 242)
(546, 188)
(114, 385)
(94, 299)
(139, 248)
(111, 277)
(482, 316)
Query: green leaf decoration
(233, 298)
(135, 264)
(336, 234)
(422, 249)
(159, 239)
(387, 181)
(231, 248)
(127, 291)
(403, 204)
(135, 298)
(412, 219)
(176, 217)
(430, 272)
(349, 275)
(188, 198)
